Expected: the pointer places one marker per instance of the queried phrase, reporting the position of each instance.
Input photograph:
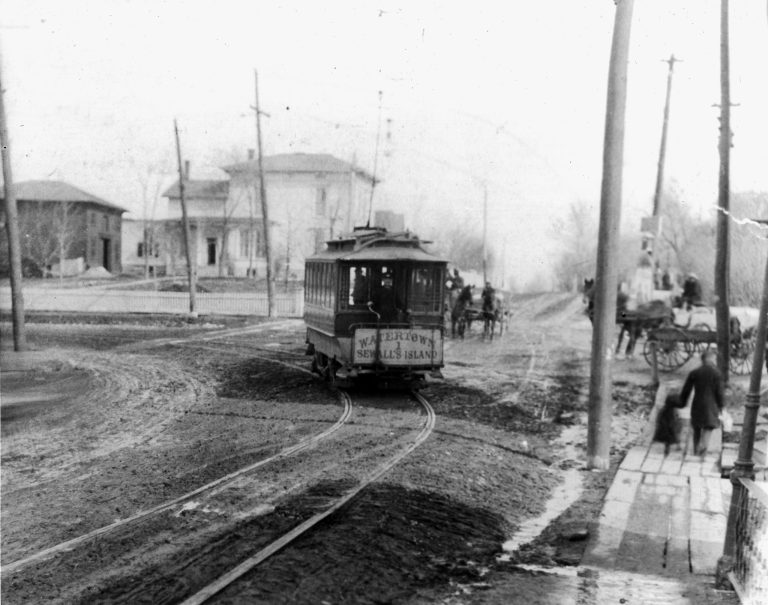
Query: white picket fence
(98, 300)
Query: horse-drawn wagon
(675, 345)
(465, 307)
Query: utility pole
(599, 422)
(744, 466)
(12, 229)
(264, 205)
(663, 148)
(722, 248)
(185, 222)
(485, 233)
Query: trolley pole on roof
(599, 423)
(264, 205)
(185, 222)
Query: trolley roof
(376, 244)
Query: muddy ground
(102, 421)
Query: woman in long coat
(707, 387)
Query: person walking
(708, 401)
(668, 424)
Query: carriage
(464, 307)
(373, 306)
(675, 345)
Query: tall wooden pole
(264, 206)
(744, 466)
(599, 423)
(722, 248)
(185, 222)
(485, 233)
(12, 229)
(663, 147)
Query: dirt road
(103, 422)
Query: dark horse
(648, 316)
(463, 300)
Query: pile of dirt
(96, 273)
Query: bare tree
(151, 178)
(576, 233)
(48, 230)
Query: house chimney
(186, 169)
(251, 154)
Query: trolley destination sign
(398, 346)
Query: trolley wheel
(671, 353)
(321, 364)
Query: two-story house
(311, 198)
(58, 221)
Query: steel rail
(234, 574)
(74, 542)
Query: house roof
(200, 189)
(299, 162)
(57, 191)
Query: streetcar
(373, 306)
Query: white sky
(510, 93)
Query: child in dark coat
(668, 424)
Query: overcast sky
(511, 94)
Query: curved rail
(74, 542)
(215, 587)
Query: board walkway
(663, 522)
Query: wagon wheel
(671, 352)
(742, 356)
(700, 346)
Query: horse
(648, 316)
(493, 312)
(460, 304)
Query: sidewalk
(662, 526)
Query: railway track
(280, 543)
(179, 501)
(229, 341)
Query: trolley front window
(358, 286)
(426, 289)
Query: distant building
(311, 198)
(58, 221)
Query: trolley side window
(357, 285)
(308, 283)
(426, 288)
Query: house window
(211, 243)
(320, 202)
(140, 250)
(106, 222)
(245, 243)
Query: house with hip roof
(64, 227)
(310, 197)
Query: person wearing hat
(707, 403)
(691, 292)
